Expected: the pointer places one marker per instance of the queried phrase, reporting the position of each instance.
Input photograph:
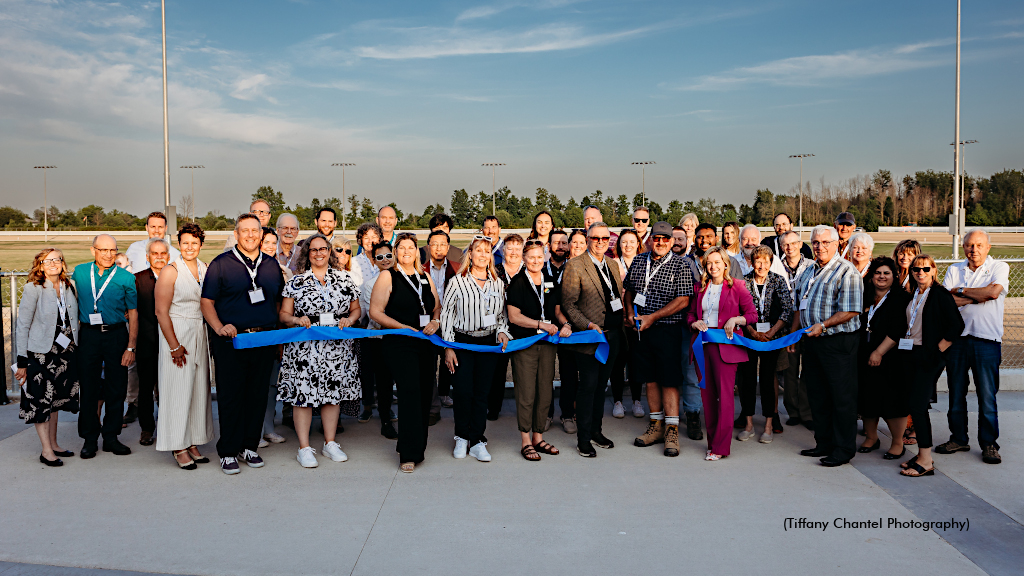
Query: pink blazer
(735, 301)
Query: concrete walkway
(630, 510)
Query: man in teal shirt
(109, 327)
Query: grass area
(944, 251)
(19, 255)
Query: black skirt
(52, 381)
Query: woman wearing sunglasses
(343, 250)
(377, 377)
(933, 323)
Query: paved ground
(631, 510)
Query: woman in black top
(533, 369)
(405, 297)
(881, 393)
(933, 323)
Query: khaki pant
(794, 396)
(533, 371)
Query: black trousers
(375, 372)
(749, 373)
(920, 373)
(568, 373)
(413, 371)
(243, 379)
(497, 393)
(591, 392)
(830, 374)
(619, 378)
(146, 366)
(444, 377)
(100, 353)
(471, 385)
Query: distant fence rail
(12, 283)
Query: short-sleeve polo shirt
(227, 283)
(116, 300)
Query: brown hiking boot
(672, 440)
(655, 434)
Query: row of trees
(880, 199)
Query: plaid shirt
(668, 282)
(836, 287)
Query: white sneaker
(638, 409)
(618, 411)
(461, 445)
(307, 457)
(479, 451)
(263, 443)
(333, 451)
(274, 437)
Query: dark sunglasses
(642, 220)
(600, 238)
(383, 257)
(925, 269)
(339, 250)
(533, 243)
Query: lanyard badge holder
(489, 318)
(327, 318)
(616, 302)
(762, 327)
(417, 287)
(96, 319)
(62, 310)
(539, 291)
(907, 343)
(871, 314)
(256, 294)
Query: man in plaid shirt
(660, 285)
(830, 296)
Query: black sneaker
(131, 414)
(251, 458)
(229, 466)
(388, 431)
(365, 415)
(586, 451)
(601, 441)
(990, 455)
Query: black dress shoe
(815, 452)
(866, 449)
(52, 463)
(777, 425)
(601, 441)
(809, 424)
(793, 421)
(433, 419)
(64, 454)
(891, 456)
(89, 450)
(387, 430)
(832, 462)
(115, 447)
(131, 414)
(492, 417)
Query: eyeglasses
(916, 269)
(383, 257)
(52, 261)
(339, 250)
(287, 229)
(818, 243)
(482, 237)
(261, 212)
(641, 220)
(106, 250)
(600, 239)
(321, 250)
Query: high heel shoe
(866, 449)
(53, 463)
(891, 456)
(190, 465)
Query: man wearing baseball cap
(658, 288)
(845, 225)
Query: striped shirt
(467, 305)
(835, 287)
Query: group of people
(877, 333)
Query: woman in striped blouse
(473, 313)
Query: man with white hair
(979, 285)
(830, 296)
(287, 233)
(750, 238)
(794, 389)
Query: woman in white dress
(186, 411)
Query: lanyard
(607, 280)
(649, 274)
(540, 295)
(62, 304)
(417, 287)
(760, 296)
(96, 296)
(874, 308)
(906, 280)
(252, 272)
(917, 308)
(624, 265)
(325, 288)
(696, 261)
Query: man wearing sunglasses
(641, 219)
(591, 289)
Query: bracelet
(180, 346)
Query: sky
(567, 93)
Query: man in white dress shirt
(156, 227)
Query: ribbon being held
(273, 337)
(717, 336)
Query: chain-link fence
(1013, 316)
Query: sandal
(530, 453)
(910, 436)
(907, 464)
(915, 470)
(190, 465)
(546, 448)
(408, 467)
(197, 457)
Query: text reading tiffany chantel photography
(891, 523)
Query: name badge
(95, 318)
(804, 302)
(762, 327)
(616, 304)
(256, 296)
(549, 285)
(423, 280)
(490, 320)
(906, 344)
(639, 300)
(424, 320)
(63, 340)
(327, 320)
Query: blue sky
(566, 92)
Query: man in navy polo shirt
(106, 296)
(241, 293)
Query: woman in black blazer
(881, 393)
(933, 323)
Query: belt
(256, 329)
(477, 333)
(105, 327)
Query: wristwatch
(130, 349)
(960, 291)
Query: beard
(698, 251)
(747, 251)
(559, 255)
(678, 249)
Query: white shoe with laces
(618, 411)
(263, 443)
(479, 451)
(307, 457)
(274, 437)
(638, 409)
(333, 451)
(461, 446)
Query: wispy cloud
(487, 11)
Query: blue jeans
(982, 357)
(690, 392)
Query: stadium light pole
(800, 186)
(343, 166)
(167, 154)
(954, 224)
(494, 203)
(643, 180)
(963, 170)
(193, 169)
(46, 207)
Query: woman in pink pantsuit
(720, 303)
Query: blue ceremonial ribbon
(717, 336)
(299, 334)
